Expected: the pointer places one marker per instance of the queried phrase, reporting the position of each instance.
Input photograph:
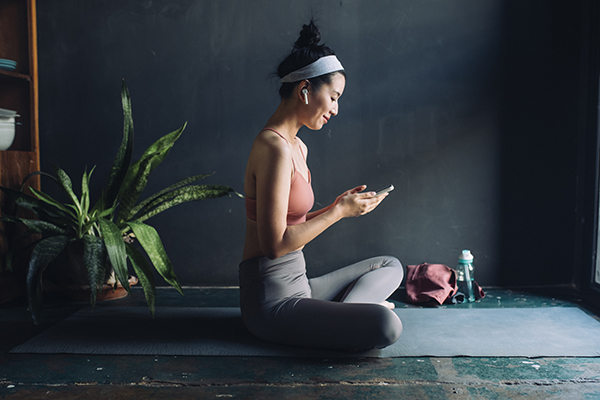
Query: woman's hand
(357, 189)
(353, 203)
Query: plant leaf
(163, 144)
(183, 182)
(45, 251)
(100, 206)
(144, 273)
(105, 213)
(37, 226)
(36, 173)
(191, 193)
(115, 247)
(65, 183)
(151, 243)
(158, 151)
(40, 208)
(121, 163)
(85, 191)
(133, 190)
(49, 200)
(22, 243)
(153, 155)
(94, 258)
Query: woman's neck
(285, 120)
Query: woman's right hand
(354, 203)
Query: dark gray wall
(468, 107)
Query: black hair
(306, 50)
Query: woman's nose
(334, 109)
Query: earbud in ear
(305, 93)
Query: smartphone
(384, 190)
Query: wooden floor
(28, 376)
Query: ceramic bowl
(7, 134)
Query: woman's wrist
(335, 212)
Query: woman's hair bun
(309, 36)
(306, 50)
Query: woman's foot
(388, 304)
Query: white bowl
(7, 135)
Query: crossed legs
(340, 310)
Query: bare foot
(389, 305)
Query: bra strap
(271, 129)
(293, 162)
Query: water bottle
(466, 275)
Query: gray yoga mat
(496, 332)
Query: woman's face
(323, 104)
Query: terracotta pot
(108, 292)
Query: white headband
(322, 66)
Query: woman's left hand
(357, 189)
(354, 203)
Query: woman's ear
(303, 91)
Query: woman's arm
(350, 204)
(273, 171)
(313, 214)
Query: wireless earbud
(305, 93)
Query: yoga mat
(441, 332)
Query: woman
(345, 309)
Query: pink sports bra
(301, 196)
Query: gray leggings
(338, 311)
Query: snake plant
(107, 228)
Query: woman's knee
(390, 327)
(394, 265)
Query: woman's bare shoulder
(268, 143)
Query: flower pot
(108, 292)
(73, 278)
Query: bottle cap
(466, 256)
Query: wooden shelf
(15, 75)
(18, 92)
(17, 153)
(19, 88)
